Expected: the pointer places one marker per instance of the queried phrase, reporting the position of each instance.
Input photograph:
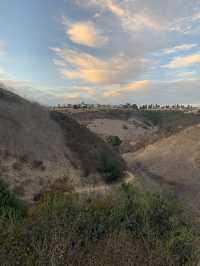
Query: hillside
(170, 122)
(136, 129)
(133, 129)
(37, 148)
(173, 162)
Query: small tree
(110, 168)
(114, 140)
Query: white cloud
(131, 87)
(131, 18)
(96, 70)
(157, 15)
(85, 33)
(137, 30)
(178, 48)
(104, 4)
(184, 61)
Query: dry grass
(174, 162)
(36, 147)
(126, 228)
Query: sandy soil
(173, 162)
(132, 132)
(125, 130)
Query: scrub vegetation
(127, 227)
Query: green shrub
(124, 229)
(10, 206)
(110, 168)
(114, 140)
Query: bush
(38, 165)
(123, 229)
(114, 140)
(125, 127)
(110, 168)
(24, 158)
(17, 166)
(10, 206)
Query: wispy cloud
(188, 75)
(132, 18)
(97, 70)
(110, 5)
(184, 61)
(157, 15)
(131, 87)
(79, 92)
(179, 48)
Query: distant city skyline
(101, 51)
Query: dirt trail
(103, 188)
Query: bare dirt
(129, 178)
(129, 125)
(171, 163)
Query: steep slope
(37, 148)
(172, 162)
(88, 151)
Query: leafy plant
(114, 140)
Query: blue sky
(101, 51)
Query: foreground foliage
(10, 206)
(126, 228)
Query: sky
(101, 51)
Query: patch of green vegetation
(110, 170)
(10, 206)
(126, 228)
(171, 121)
(115, 141)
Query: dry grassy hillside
(36, 148)
(130, 126)
(173, 162)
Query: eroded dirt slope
(173, 162)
